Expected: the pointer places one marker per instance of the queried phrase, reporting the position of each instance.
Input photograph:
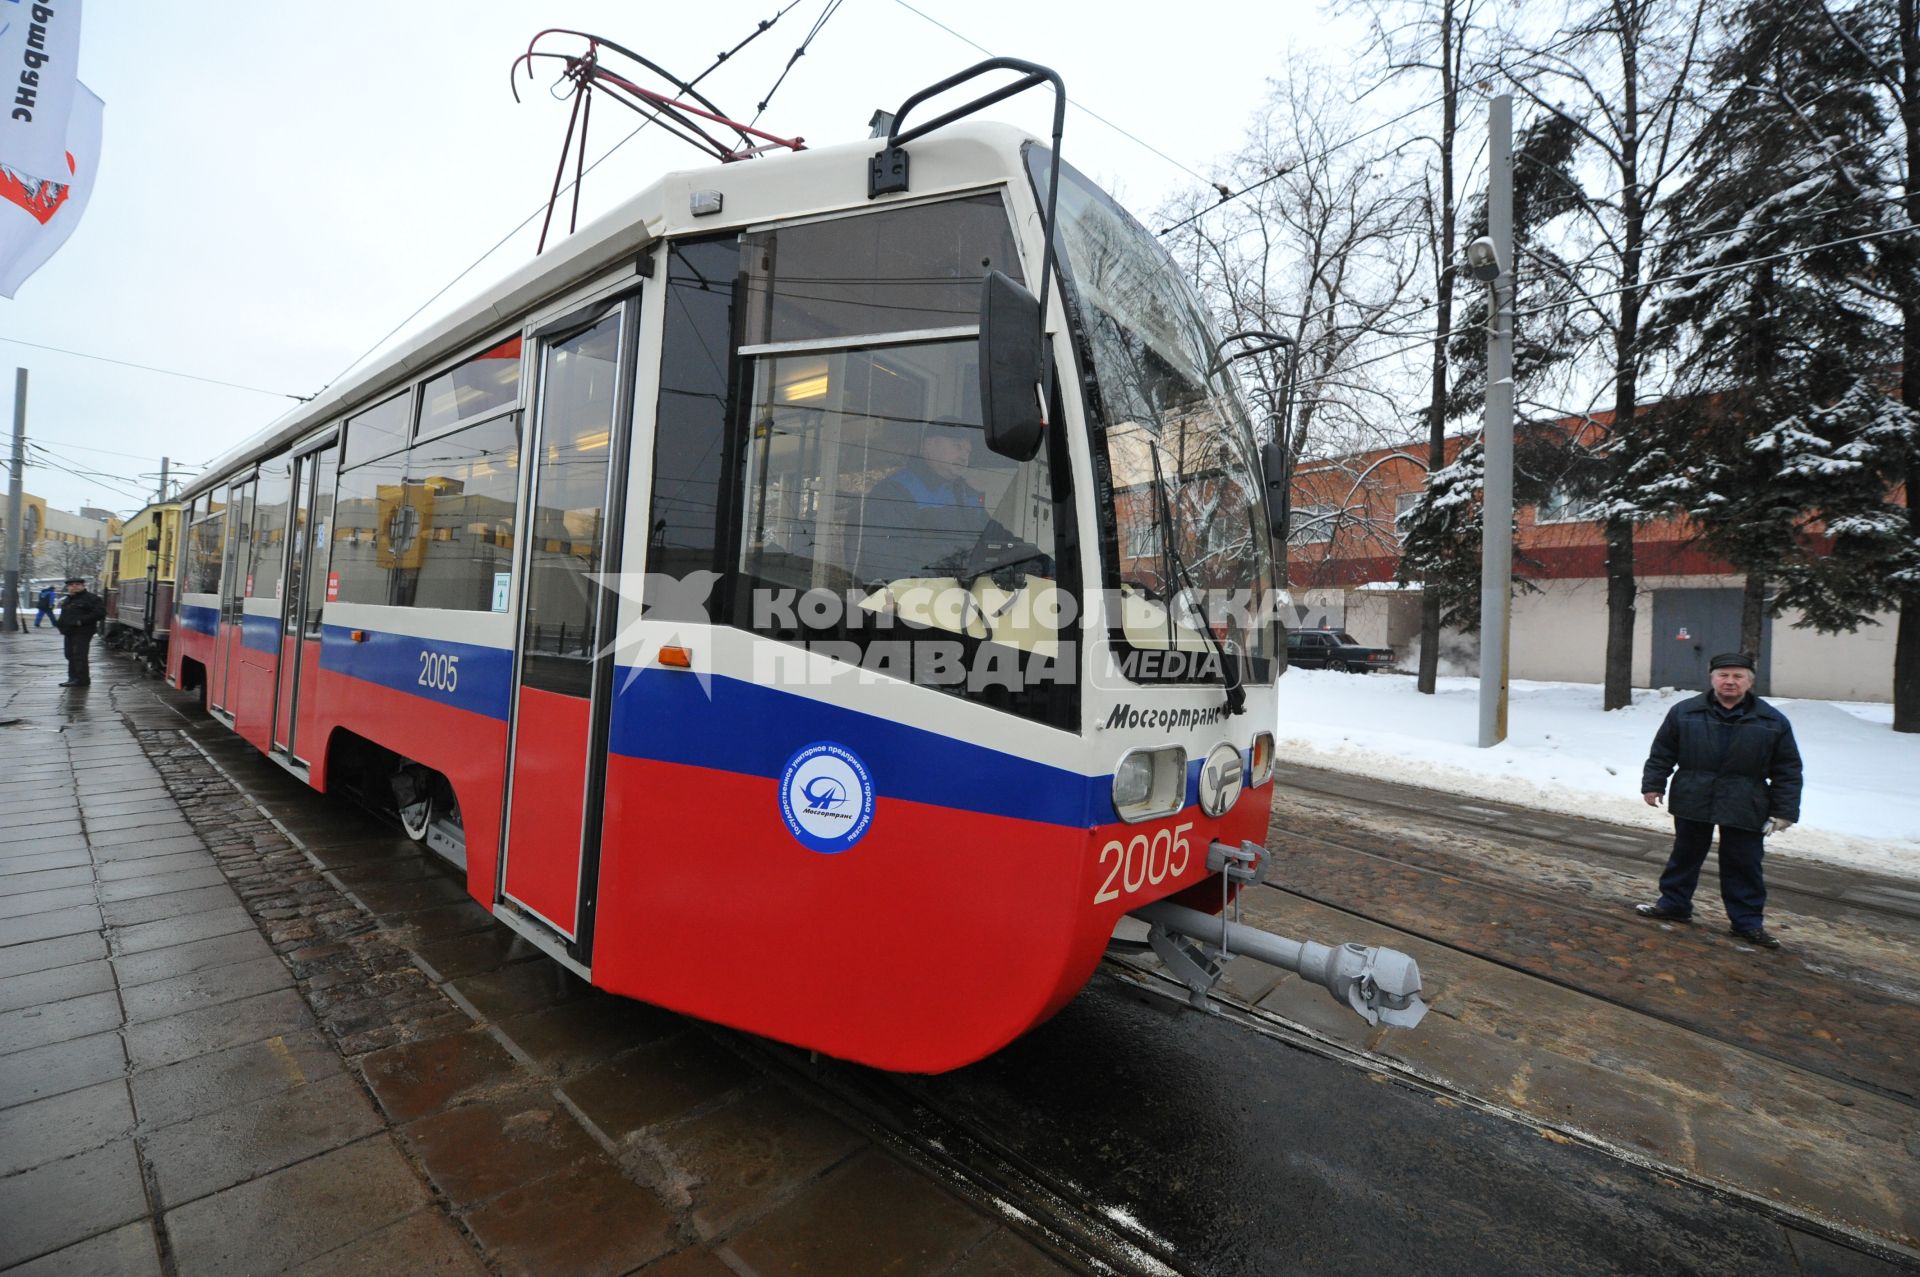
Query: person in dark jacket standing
(1738, 768)
(79, 618)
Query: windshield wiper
(1234, 684)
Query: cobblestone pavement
(231, 1043)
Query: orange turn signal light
(359, 636)
(679, 658)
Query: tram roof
(771, 188)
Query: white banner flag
(38, 213)
(39, 67)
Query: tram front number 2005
(1144, 860)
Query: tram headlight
(1150, 783)
(1262, 760)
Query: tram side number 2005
(1145, 860)
(440, 671)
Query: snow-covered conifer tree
(1779, 442)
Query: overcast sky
(281, 185)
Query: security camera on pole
(1489, 259)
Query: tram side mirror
(1010, 368)
(1273, 467)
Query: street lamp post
(1491, 260)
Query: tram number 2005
(1145, 860)
(440, 671)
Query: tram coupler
(1381, 985)
(1245, 865)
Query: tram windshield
(1190, 528)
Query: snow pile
(1563, 753)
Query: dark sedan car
(1334, 650)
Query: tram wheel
(415, 818)
(415, 802)
(422, 799)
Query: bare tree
(73, 558)
(1312, 251)
(1434, 46)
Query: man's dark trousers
(1741, 884)
(79, 642)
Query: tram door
(234, 580)
(305, 590)
(571, 535)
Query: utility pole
(163, 479)
(1496, 503)
(10, 583)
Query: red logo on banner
(42, 199)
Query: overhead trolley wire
(1724, 268)
(48, 456)
(1649, 247)
(976, 45)
(1426, 341)
(57, 454)
(165, 372)
(131, 456)
(1283, 170)
(764, 26)
(142, 497)
(833, 7)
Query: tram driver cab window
(865, 468)
(839, 448)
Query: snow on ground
(1861, 806)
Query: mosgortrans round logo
(826, 797)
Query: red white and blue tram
(684, 589)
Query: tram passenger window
(463, 486)
(203, 550)
(380, 430)
(320, 538)
(237, 546)
(482, 385)
(901, 270)
(567, 525)
(689, 437)
(270, 527)
(374, 528)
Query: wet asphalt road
(1239, 1155)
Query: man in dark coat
(1739, 769)
(79, 618)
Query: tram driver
(925, 520)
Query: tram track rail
(977, 1163)
(909, 1116)
(1869, 1000)
(1302, 1037)
(1812, 1057)
(1603, 841)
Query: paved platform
(235, 1042)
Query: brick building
(1346, 545)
